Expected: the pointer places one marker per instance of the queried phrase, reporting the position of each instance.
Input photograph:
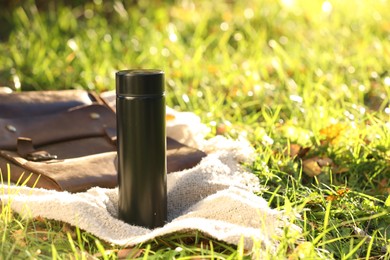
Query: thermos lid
(140, 82)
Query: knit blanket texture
(216, 197)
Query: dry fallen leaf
(313, 166)
(40, 219)
(333, 133)
(20, 237)
(212, 69)
(169, 117)
(298, 151)
(384, 186)
(221, 129)
(343, 191)
(294, 150)
(331, 198)
(339, 170)
(125, 253)
(324, 161)
(340, 193)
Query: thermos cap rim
(139, 72)
(140, 82)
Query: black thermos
(141, 141)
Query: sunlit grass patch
(306, 82)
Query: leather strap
(111, 134)
(25, 148)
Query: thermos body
(141, 141)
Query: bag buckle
(26, 149)
(40, 156)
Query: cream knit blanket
(215, 197)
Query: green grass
(283, 74)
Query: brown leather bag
(66, 140)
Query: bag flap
(78, 122)
(74, 175)
(34, 103)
